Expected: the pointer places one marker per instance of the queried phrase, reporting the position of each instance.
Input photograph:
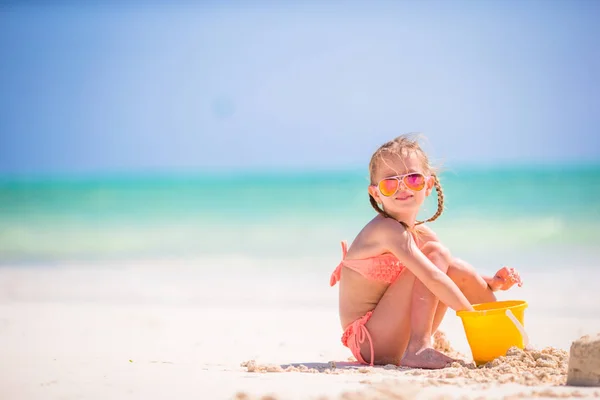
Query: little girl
(396, 279)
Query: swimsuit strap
(337, 273)
(361, 333)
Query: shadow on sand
(320, 366)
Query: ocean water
(536, 217)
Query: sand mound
(441, 343)
(526, 367)
(584, 364)
(546, 367)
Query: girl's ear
(374, 193)
(429, 185)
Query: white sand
(169, 332)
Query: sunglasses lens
(414, 181)
(388, 187)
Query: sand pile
(546, 367)
(527, 367)
(329, 368)
(441, 343)
(584, 363)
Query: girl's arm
(504, 279)
(400, 243)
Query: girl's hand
(504, 279)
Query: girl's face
(401, 197)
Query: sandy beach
(167, 331)
(176, 179)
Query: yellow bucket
(493, 328)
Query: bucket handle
(519, 327)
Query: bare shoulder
(379, 236)
(392, 235)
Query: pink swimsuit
(384, 268)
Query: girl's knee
(436, 248)
(438, 254)
(460, 267)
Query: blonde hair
(400, 146)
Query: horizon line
(219, 171)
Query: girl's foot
(504, 279)
(427, 358)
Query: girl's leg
(474, 286)
(403, 309)
(389, 325)
(425, 306)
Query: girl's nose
(401, 185)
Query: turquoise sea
(540, 216)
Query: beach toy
(493, 328)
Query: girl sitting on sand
(396, 279)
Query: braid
(376, 207)
(440, 196)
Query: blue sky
(273, 85)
